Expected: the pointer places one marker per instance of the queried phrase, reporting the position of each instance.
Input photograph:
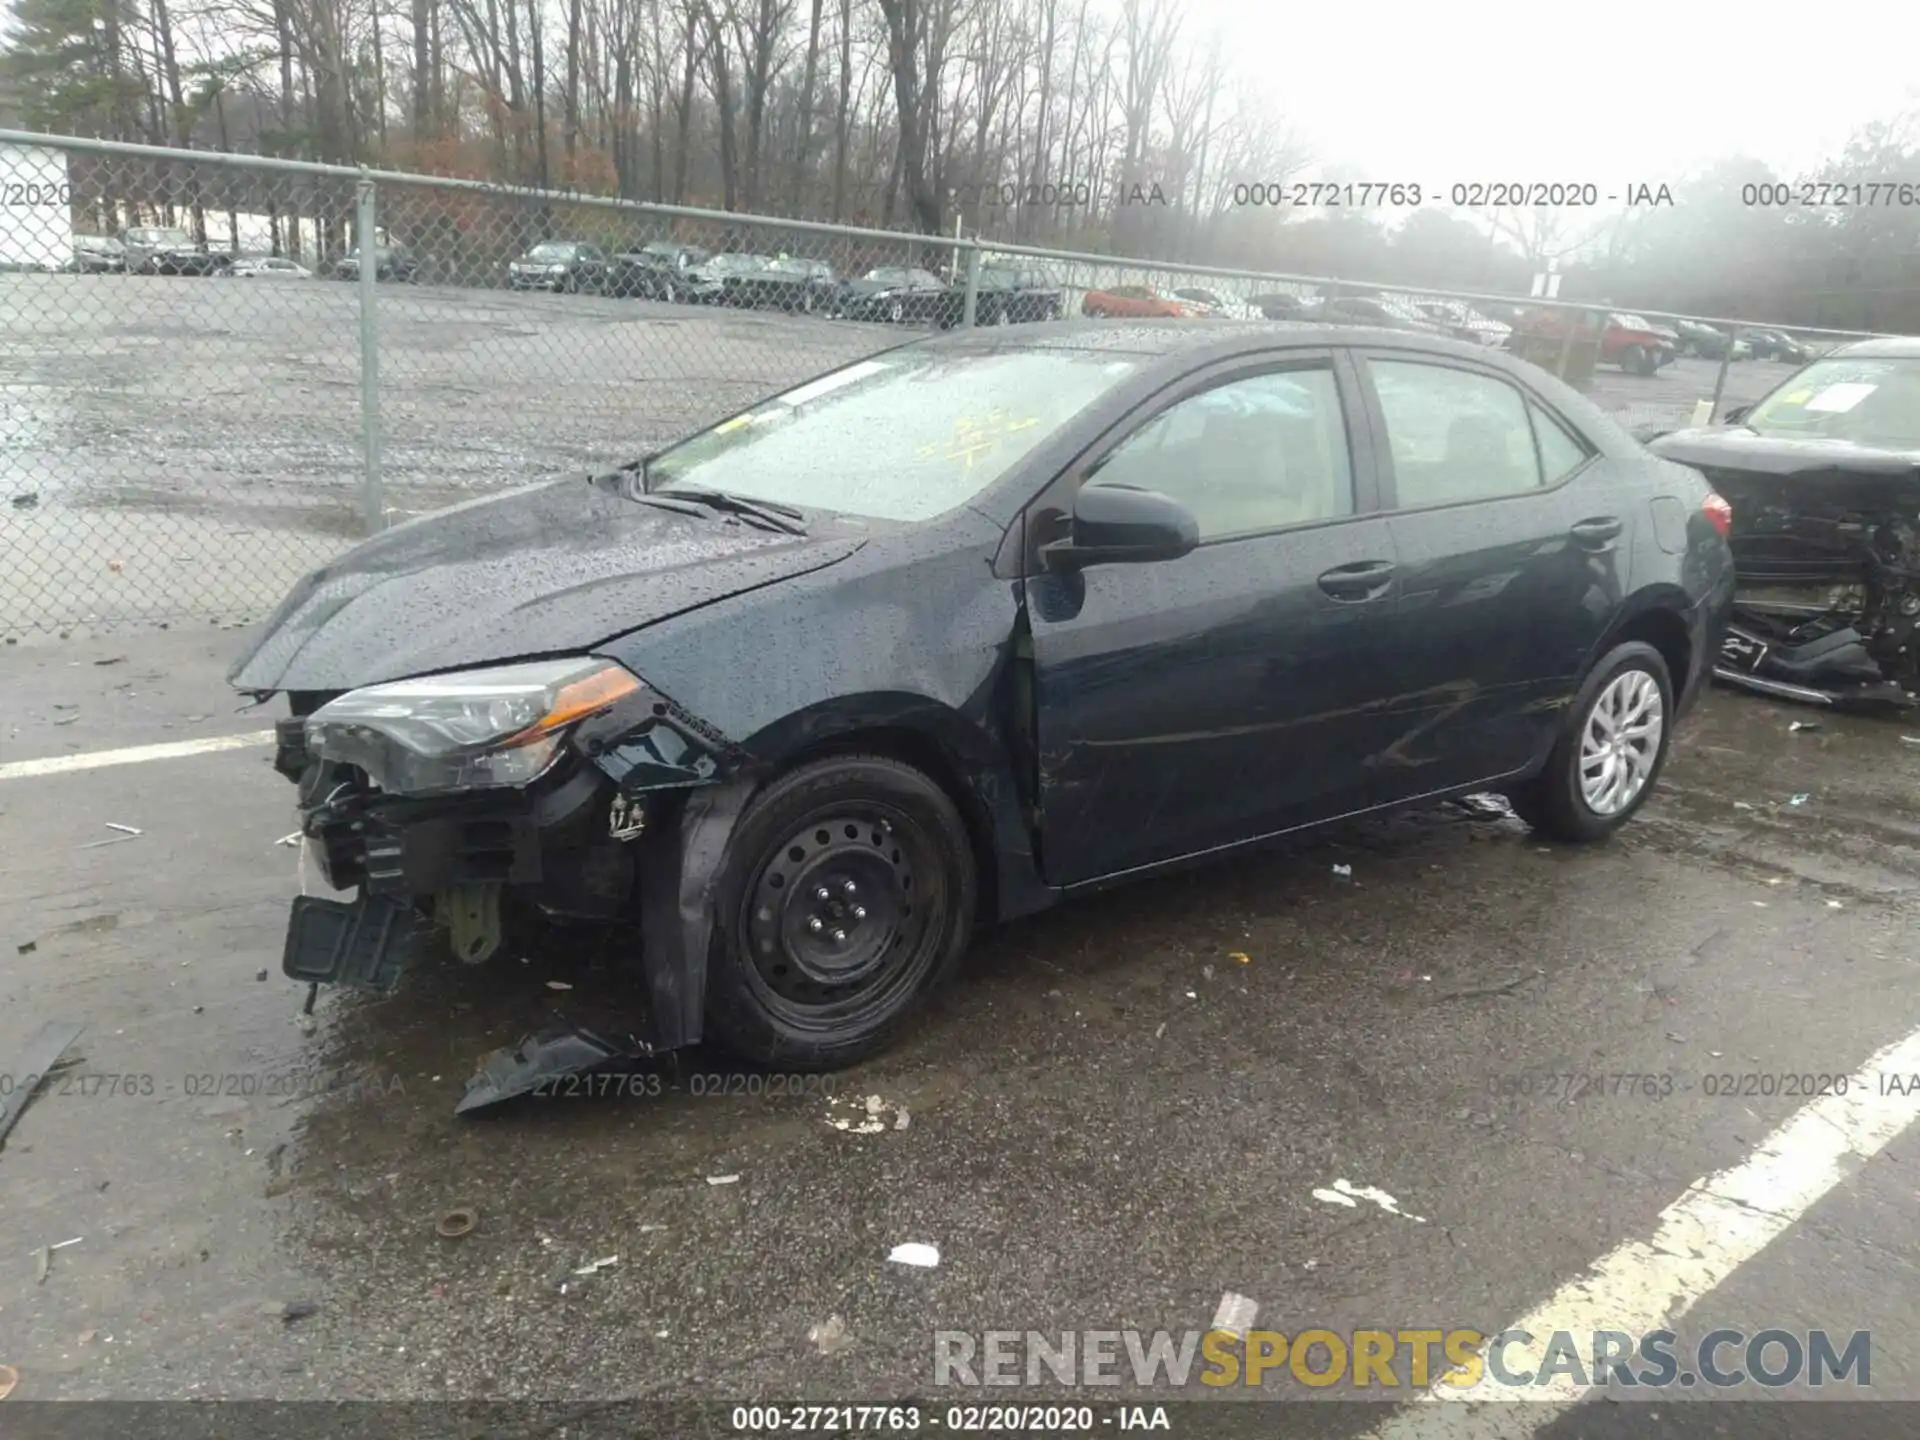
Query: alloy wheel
(1620, 742)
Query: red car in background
(1132, 302)
(1637, 346)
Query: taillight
(1716, 509)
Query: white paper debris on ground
(558, 985)
(830, 1336)
(1345, 871)
(598, 1265)
(866, 1115)
(1345, 1192)
(1797, 726)
(1235, 1315)
(723, 1179)
(289, 840)
(1799, 799)
(915, 1253)
(123, 829)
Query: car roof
(1205, 340)
(1887, 347)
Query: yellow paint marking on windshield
(973, 437)
(1798, 397)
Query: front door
(1510, 538)
(1189, 704)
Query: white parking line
(1719, 1224)
(134, 755)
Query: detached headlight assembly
(468, 730)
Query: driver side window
(1246, 456)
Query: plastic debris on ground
(830, 1336)
(723, 1179)
(1235, 1315)
(598, 1265)
(1797, 726)
(869, 1116)
(289, 840)
(1487, 806)
(1799, 799)
(1345, 872)
(1345, 1192)
(1240, 956)
(915, 1253)
(43, 1052)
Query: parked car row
(1004, 294)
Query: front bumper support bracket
(365, 943)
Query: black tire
(1635, 361)
(1553, 803)
(782, 994)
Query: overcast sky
(1438, 94)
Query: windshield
(905, 436)
(1864, 402)
(552, 252)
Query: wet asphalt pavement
(1120, 1112)
(192, 447)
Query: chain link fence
(220, 371)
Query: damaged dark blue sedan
(987, 620)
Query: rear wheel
(1606, 761)
(848, 897)
(1636, 361)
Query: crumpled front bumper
(578, 844)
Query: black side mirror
(1121, 524)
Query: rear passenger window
(1560, 453)
(1454, 434)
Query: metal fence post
(973, 285)
(1576, 319)
(1720, 380)
(369, 249)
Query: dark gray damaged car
(948, 634)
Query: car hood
(1766, 469)
(545, 570)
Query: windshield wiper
(783, 518)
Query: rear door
(1190, 704)
(1510, 539)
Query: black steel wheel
(848, 896)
